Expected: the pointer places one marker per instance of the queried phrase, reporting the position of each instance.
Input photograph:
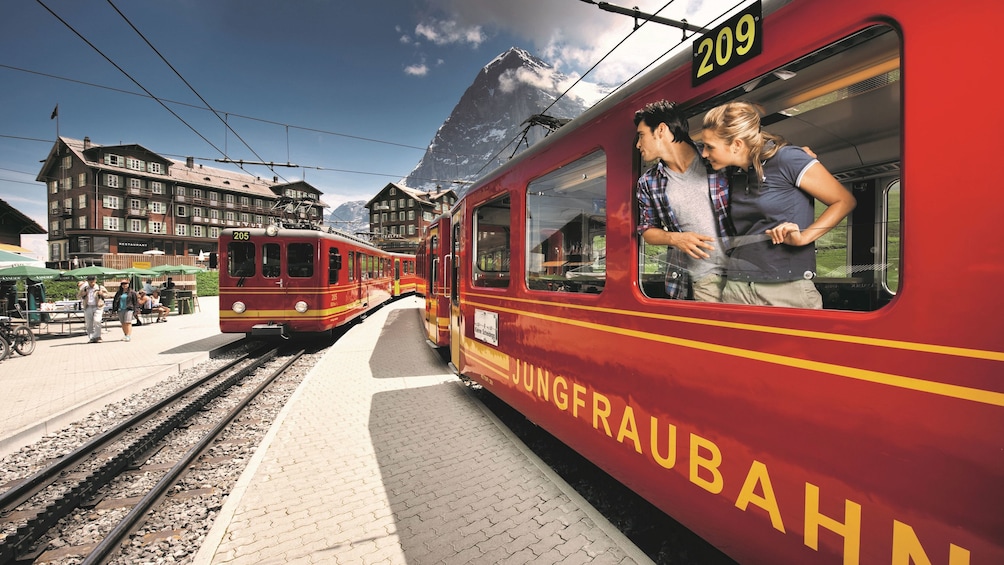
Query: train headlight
(300, 306)
(272, 230)
(239, 307)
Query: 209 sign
(728, 45)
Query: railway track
(119, 476)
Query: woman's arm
(820, 184)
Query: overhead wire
(130, 77)
(246, 117)
(232, 114)
(192, 88)
(660, 57)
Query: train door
(456, 327)
(431, 292)
(397, 277)
(364, 275)
(359, 275)
(271, 272)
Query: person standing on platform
(126, 304)
(93, 298)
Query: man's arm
(691, 243)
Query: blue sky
(350, 91)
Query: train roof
(308, 233)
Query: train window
(300, 260)
(492, 223)
(240, 259)
(270, 261)
(352, 266)
(844, 103)
(433, 263)
(334, 265)
(567, 227)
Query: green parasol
(94, 270)
(176, 269)
(28, 272)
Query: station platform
(67, 378)
(383, 456)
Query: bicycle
(16, 337)
(4, 349)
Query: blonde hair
(741, 120)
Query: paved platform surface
(383, 456)
(67, 378)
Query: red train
(869, 431)
(280, 281)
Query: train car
(868, 431)
(405, 276)
(436, 260)
(277, 281)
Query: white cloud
(511, 78)
(418, 70)
(446, 32)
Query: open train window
(844, 103)
(492, 225)
(300, 260)
(566, 216)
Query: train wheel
(23, 341)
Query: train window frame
(240, 263)
(491, 255)
(300, 259)
(566, 227)
(892, 236)
(843, 101)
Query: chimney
(190, 162)
(87, 143)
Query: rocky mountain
(486, 126)
(350, 217)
